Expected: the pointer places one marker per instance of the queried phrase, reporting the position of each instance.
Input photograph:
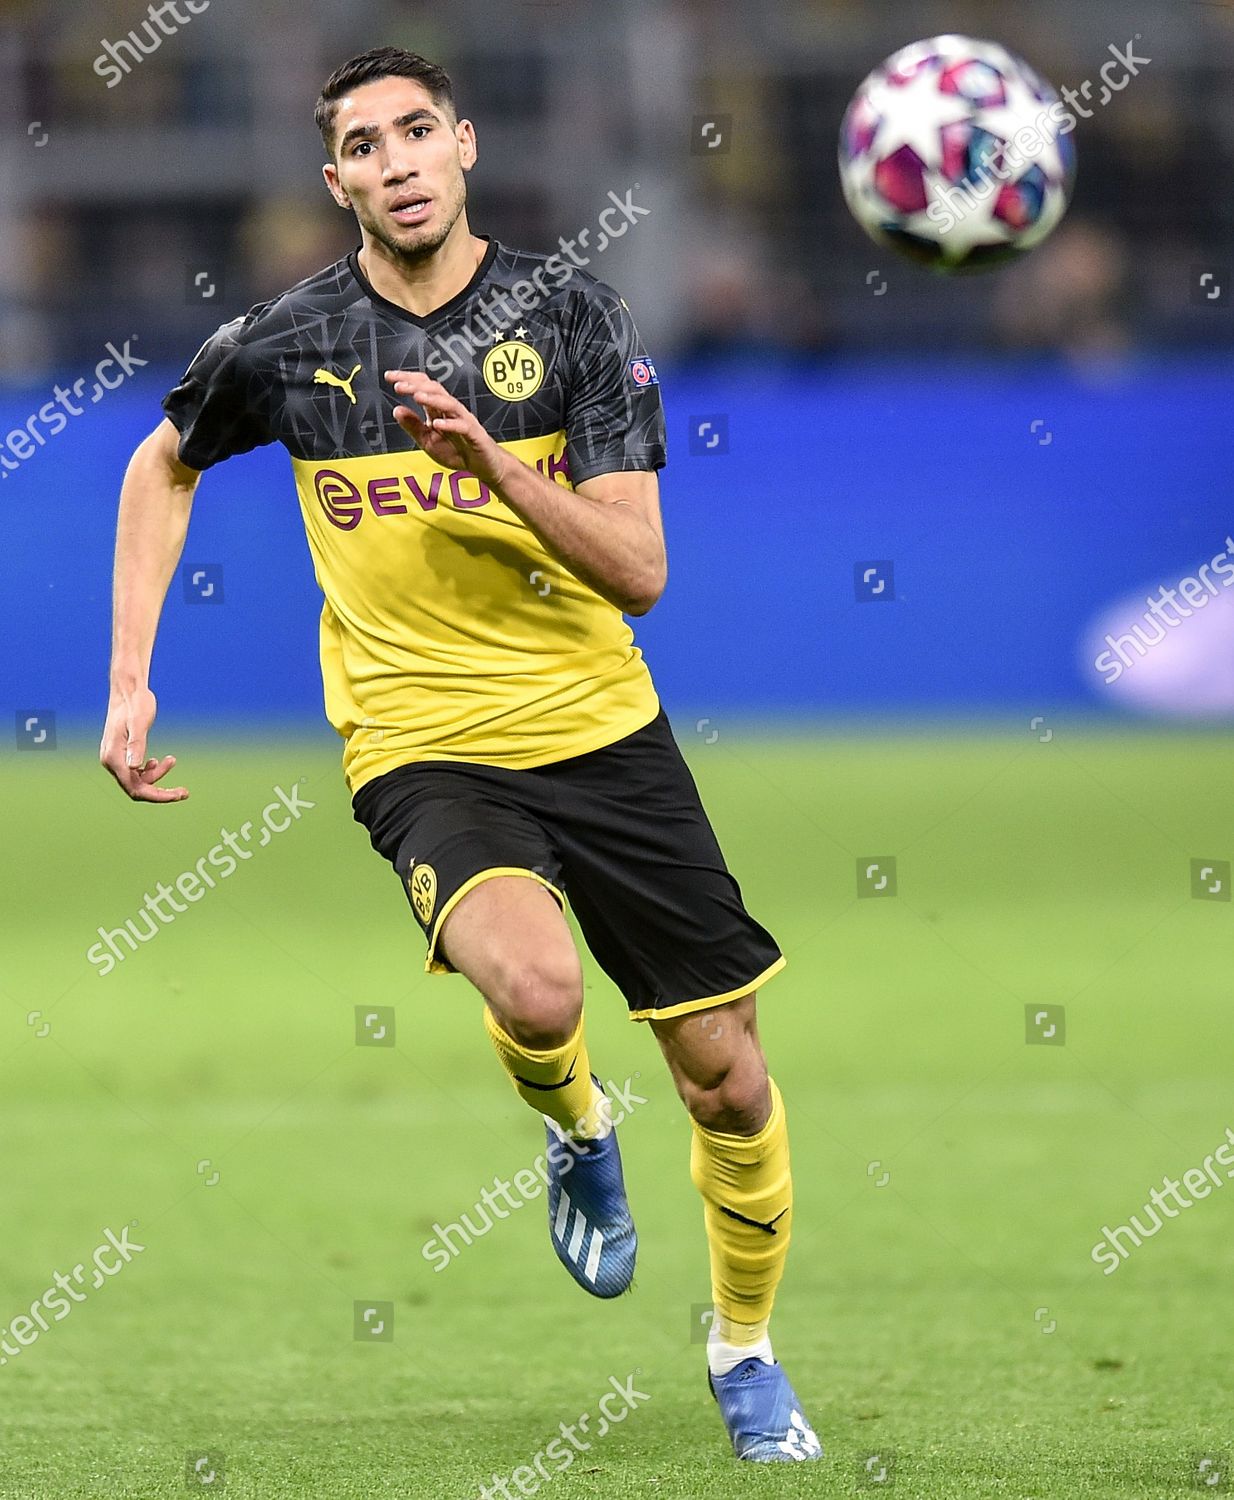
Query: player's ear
(330, 173)
(465, 135)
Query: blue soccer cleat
(588, 1215)
(763, 1415)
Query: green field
(911, 1317)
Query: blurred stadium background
(1022, 458)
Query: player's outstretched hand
(448, 432)
(123, 749)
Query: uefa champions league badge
(643, 372)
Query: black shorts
(619, 832)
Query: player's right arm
(215, 412)
(155, 503)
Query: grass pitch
(941, 1317)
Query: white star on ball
(914, 114)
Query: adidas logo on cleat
(575, 1246)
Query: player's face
(400, 165)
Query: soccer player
(475, 433)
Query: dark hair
(368, 67)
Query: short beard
(417, 254)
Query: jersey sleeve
(614, 414)
(215, 406)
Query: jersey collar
(482, 270)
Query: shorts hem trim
(435, 965)
(667, 1012)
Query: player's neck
(423, 288)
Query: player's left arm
(607, 530)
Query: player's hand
(448, 432)
(123, 749)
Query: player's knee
(539, 999)
(731, 1098)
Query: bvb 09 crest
(513, 370)
(422, 883)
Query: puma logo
(327, 377)
(768, 1228)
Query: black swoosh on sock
(768, 1228)
(548, 1088)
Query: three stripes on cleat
(574, 1247)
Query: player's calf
(517, 951)
(739, 1162)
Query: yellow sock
(748, 1175)
(557, 1083)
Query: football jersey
(448, 631)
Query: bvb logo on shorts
(422, 883)
(513, 370)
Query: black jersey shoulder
(230, 397)
(599, 385)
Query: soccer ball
(957, 153)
